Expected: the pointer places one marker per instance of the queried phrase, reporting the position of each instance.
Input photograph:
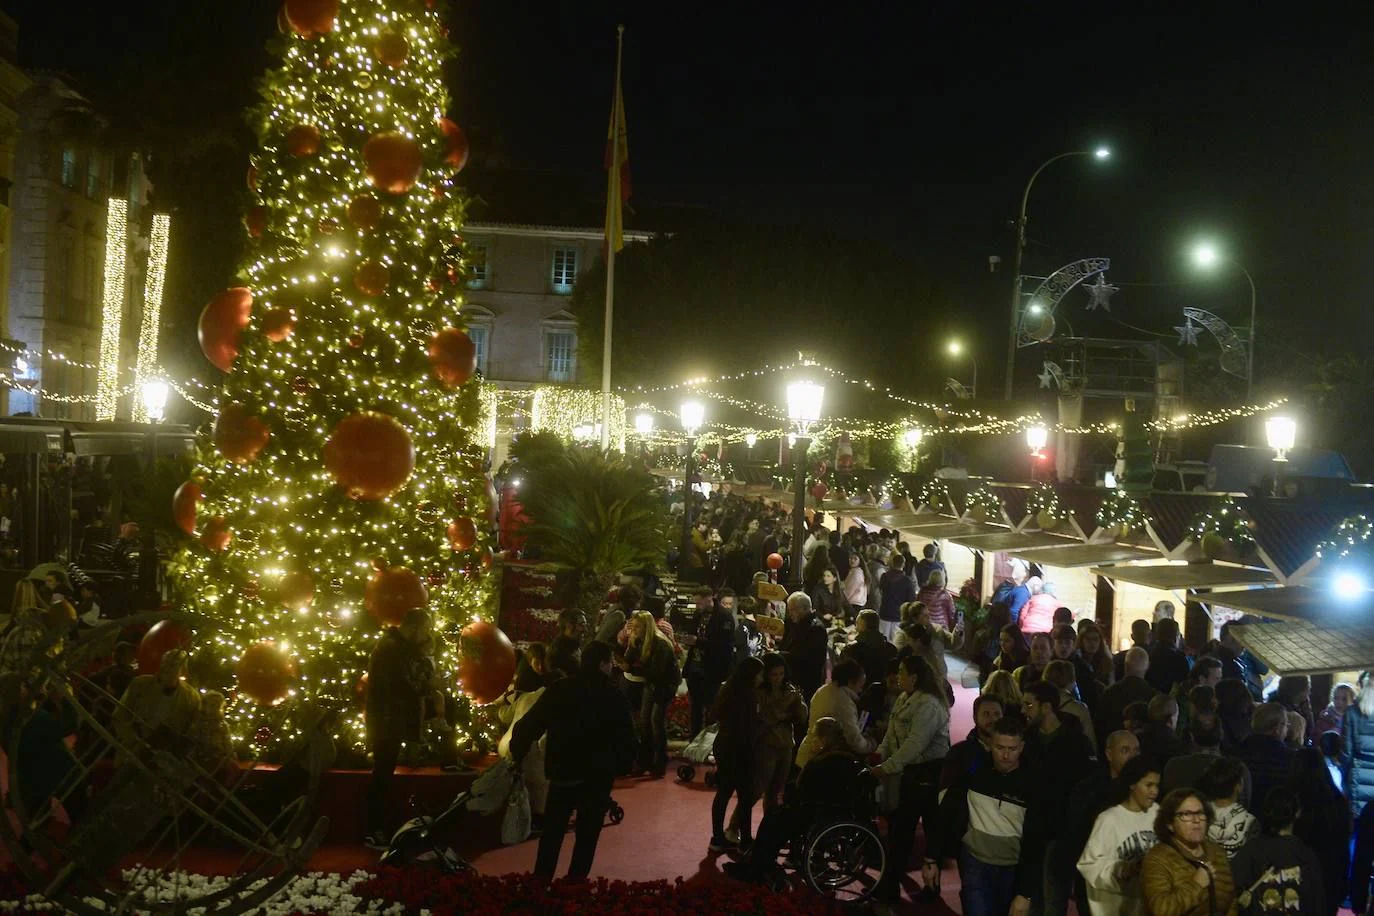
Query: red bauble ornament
(775, 561)
(220, 323)
(370, 455)
(392, 593)
(297, 589)
(372, 278)
(265, 672)
(238, 434)
(391, 49)
(185, 501)
(278, 323)
(453, 357)
(457, 155)
(216, 536)
(161, 638)
(819, 490)
(355, 340)
(255, 220)
(309, 18)
(365, 211)
(392, 161)
(486, 662)
(303, 140)
(434, 284)
(462, 533)
(435, 579)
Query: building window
(93, 176)
(564, 269)
(560, 355)
(68, 166)
(481, 340)
(475, 257)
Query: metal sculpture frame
(1234, 352)
(1052, 291)
(167, 797)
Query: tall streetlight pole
(693, 414)
(803, 409)
(1206, 256)
(1100, 153)
(956, 348)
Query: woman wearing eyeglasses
(1186, 874)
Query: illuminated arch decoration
(1038, 327)
(1233, 352)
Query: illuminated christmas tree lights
(344, 482)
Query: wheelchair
(840, 855)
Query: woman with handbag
(913, 752)
(651, 658)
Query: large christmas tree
(343, 482)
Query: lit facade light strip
(112, 309)
(146, 366)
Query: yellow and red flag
(617, 165)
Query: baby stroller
(699, 752)
(417, 840)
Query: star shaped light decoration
(1100, 293)
(1187, 333)
(1046, 375)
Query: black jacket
(393, 703)
(804, 645)
(964, 759)
(1107, 716)
(1268, 869)
(1086, 801)
(1269, 761)
(718, 646)
(871, 650)
(1168, 666)
(1162, 745)
(591, 735)
(660, 669)
(835, 780)
(1060, 763)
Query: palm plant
(594, 516)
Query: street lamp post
(644, 425)
(1206, 256)
(913, 438)
(1036, 437)
(692, 413)
(1101, 153)
(154, 396)
(956, 348)
(803, 409)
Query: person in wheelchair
(833, 783)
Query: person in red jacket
(1037, 615)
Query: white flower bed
(316, 892)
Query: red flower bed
(487, 895)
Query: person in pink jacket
(1038, 614)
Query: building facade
(65, 178)
(519, 284)
(13, 84)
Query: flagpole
(612, 199)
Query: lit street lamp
(1101, 154)
(1206, 256)
(956, 348)
(155, 398)
(644, 423)
(1281, 433)
(154, 394)
(692, 414)
(1036, 437)
(804, 401)
(912, 437)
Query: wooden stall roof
(1302, 648)
(1078, 556)
(1013, 541)
(952, 529)
(891, 518)
(1299, 602)
(1191, 575)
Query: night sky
(1249, 126)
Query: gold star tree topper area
(343, 483)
